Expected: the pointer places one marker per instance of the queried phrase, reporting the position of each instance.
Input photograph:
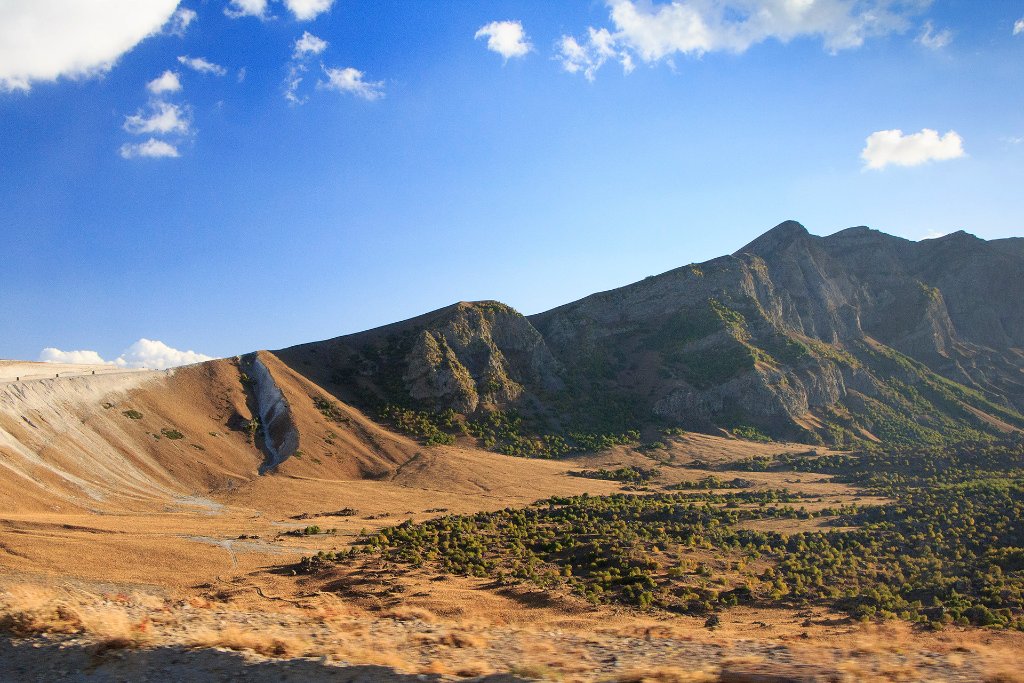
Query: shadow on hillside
(38, 659)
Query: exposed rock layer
(855, 335)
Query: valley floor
(203, 591)
(195, 580)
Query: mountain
(852, 338)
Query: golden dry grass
(269, 644)
(31, 609)
(663, 674)
(182, 566)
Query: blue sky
(429, 155)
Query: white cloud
(350, 80)
(891, 147)
(591, 55)
(202, 66)
(932, 40)
(507, 38)
(149, 353)
(52, 355)
(308, 44)
(655, 32)
(180, 21)
(145, 353)
(292, 83)
(163, 118)
(43, 40)
(150, 149)
(168, 81)
(1018, 26)
(246, 8)
(304, 10)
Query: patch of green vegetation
(252, 427)
(707, 368)
(681, 328)
(831, 352)
(132, 414)
(426, 425)
(932, 293)
(750, 434)
(172, 434)
(731, 318)
(711, 482)
(503, 431)
(329, 409)
(311, 530)
(949, 549)
(944, 392)
(500, 431)
(496, 308)
(630, 474)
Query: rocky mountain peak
(778, 238)
(860, 335)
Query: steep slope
(842, 337)
(465, 357)
(855, 336)
(144, 440)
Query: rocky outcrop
(466, 357)
(801, 336)
(475, 355)
(280, 437)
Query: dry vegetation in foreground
(444, 637)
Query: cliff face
(859, 335)
(466, 357)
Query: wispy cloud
(180, 22)
(590, 55)
(932, 39)
(1018, 27)
(44, 40)
(350, 80)
(150, 149)
(653, 32)
(292, 83)
(162, 118)
(246, 8)
(305, 46)
(507, 38)
(893, 148)
(202, 65)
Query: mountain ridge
(824, 339)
